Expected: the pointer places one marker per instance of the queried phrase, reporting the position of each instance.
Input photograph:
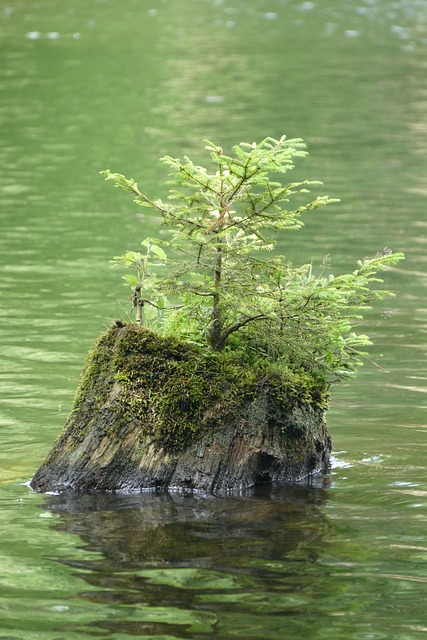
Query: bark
(108, 447)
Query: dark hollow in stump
(156, 412)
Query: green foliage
(144, 279)
(223, 286)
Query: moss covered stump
(156, 412)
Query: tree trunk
(217, 320)
(158, 413)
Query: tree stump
(155, 412)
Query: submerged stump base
(155, 412)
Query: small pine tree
(224, 287)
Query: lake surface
(87, 85)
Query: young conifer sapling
(223, 285)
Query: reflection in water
(147, 527)
(190, 564)
(259, 567)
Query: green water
(87, 85)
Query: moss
(175, 390)
(97, 369)
(290, 390)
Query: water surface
(89, 85)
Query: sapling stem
(138, 303)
